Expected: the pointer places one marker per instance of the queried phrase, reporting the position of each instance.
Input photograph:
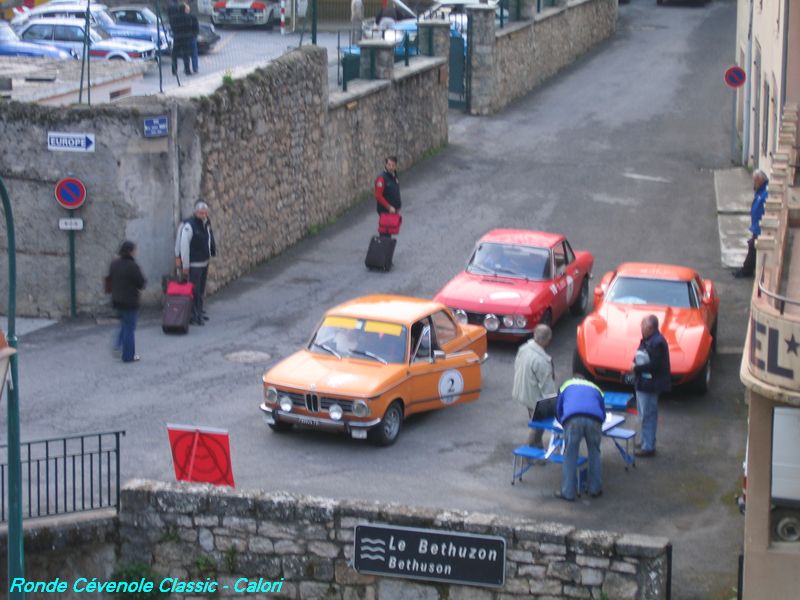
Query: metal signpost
(16, 551)
(71, 194)
(734, 79)
(430, 554)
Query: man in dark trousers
(127, 282)
(652, 370)
(387, 188)
(181, 23)
(194, 248)
(760, 183)
(581, 411)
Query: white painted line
(641, 177)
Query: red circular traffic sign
(70, 193)
(735, 77)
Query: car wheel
(703, 380)
(785, 525)
(547, 318)
(578, 366)
(385, 434)
(580, 305)
(280, 426)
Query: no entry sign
(735, 77)
(70, 193)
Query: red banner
(201, 454)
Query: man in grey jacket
(534, 380)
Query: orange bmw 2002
(686, 307)
(372, 362)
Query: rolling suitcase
(177, 307)
(380, 252)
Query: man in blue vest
(760, 183)
(581, 412)
(194, 249)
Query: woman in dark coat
(127, 282)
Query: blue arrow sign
(70, 142)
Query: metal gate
(459, 79)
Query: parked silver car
(68, 34)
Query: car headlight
(508, 321)
(360, 408)
(286, 404)
(461, 316)
(491, 322)
(271, 395)
(520, 321)
(336, 412)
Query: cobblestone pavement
(238, 47)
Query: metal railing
(779, 301)
(66, 475)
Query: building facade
(767, 121)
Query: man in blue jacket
(581, 412)
(760, 183)
(652, 370)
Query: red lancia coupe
(516, 279)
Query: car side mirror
(439, 355)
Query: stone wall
(527, 53)
(68, 547)
(195, 531)
(272, 152)
(130, 184)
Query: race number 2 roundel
(451, 386)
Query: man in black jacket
(181, 23)
(127, 282)
(652, 370)
(194, 248)
(387, 188)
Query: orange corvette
(686, 307)
(372, 362)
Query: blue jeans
(647, 405)
(125, 337)
(576, 429)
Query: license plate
(308, 421)
(269, 420)
(359, 434)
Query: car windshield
(659, 292)
(98, 35)
(7, 34)
(103, 18)
(347, 337)
(507, 260)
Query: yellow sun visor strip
(387, 328)
(340, 322)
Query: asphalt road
(617, 152)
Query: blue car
(99, 19)
(11, 45)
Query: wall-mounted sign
(155, 127)
(70, 224)
(430, 554)
(70, 142)
(735, 77)
(70, 193)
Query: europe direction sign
(58, 141)
(430, 554)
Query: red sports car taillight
(219, 5)
(258, 6)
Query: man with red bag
(387, 196)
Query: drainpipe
(785, 55)
(749, 71)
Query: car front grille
(316, 404)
